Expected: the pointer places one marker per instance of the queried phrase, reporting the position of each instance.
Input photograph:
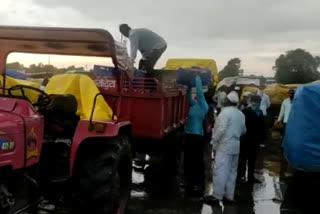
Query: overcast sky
(257, 31)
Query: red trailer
(156, 112)
(153, 109)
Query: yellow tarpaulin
(84, 89)
(175, 64)
(31, 95)
(276, 92)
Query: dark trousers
(193, 161)
(150, 62)
(248, 157)
(284, 129)
(283, 132)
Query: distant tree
(15, 66)
(32, 68)
(49, 69)
(44, 68)
(72, 68)
(81, 69)
(36, 68)
(296, 66)
(317, 61)
(232, 69)
(61, 71)
(241, 72)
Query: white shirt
(265, 102)
(220, 98)
(228, 128)
(285, 110)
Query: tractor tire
(102, 176)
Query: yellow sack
(84, 89)
(279, 92)
(251, 89)
(276, 92)
(210, 64)
(30, 94)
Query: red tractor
(46, 149)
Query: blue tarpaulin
(302, 138)
(16, 74)
(186, 76)
(99, 70)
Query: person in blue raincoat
(194, 140)
(228, 128)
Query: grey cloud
(248, 19)
(266, 58)
(219, 29)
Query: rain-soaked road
(154, 192)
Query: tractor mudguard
(98, 129)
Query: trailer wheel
(102, 176)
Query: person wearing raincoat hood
(228, 128)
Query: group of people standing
(239, 128)
(238, 131)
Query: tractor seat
(61, 117)
(65, 103)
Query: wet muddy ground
(156, 192)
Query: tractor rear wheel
(102, 176)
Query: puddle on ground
(264, 198)
(155, 192)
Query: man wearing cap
(150, 44)
(228, 128)
(285, 110)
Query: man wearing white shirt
(285, 110)
(150, 44)
(265, 104)
(265, 101)
(228, 128)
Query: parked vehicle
(45, 142)
(77, 134)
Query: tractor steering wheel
(43, 100)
